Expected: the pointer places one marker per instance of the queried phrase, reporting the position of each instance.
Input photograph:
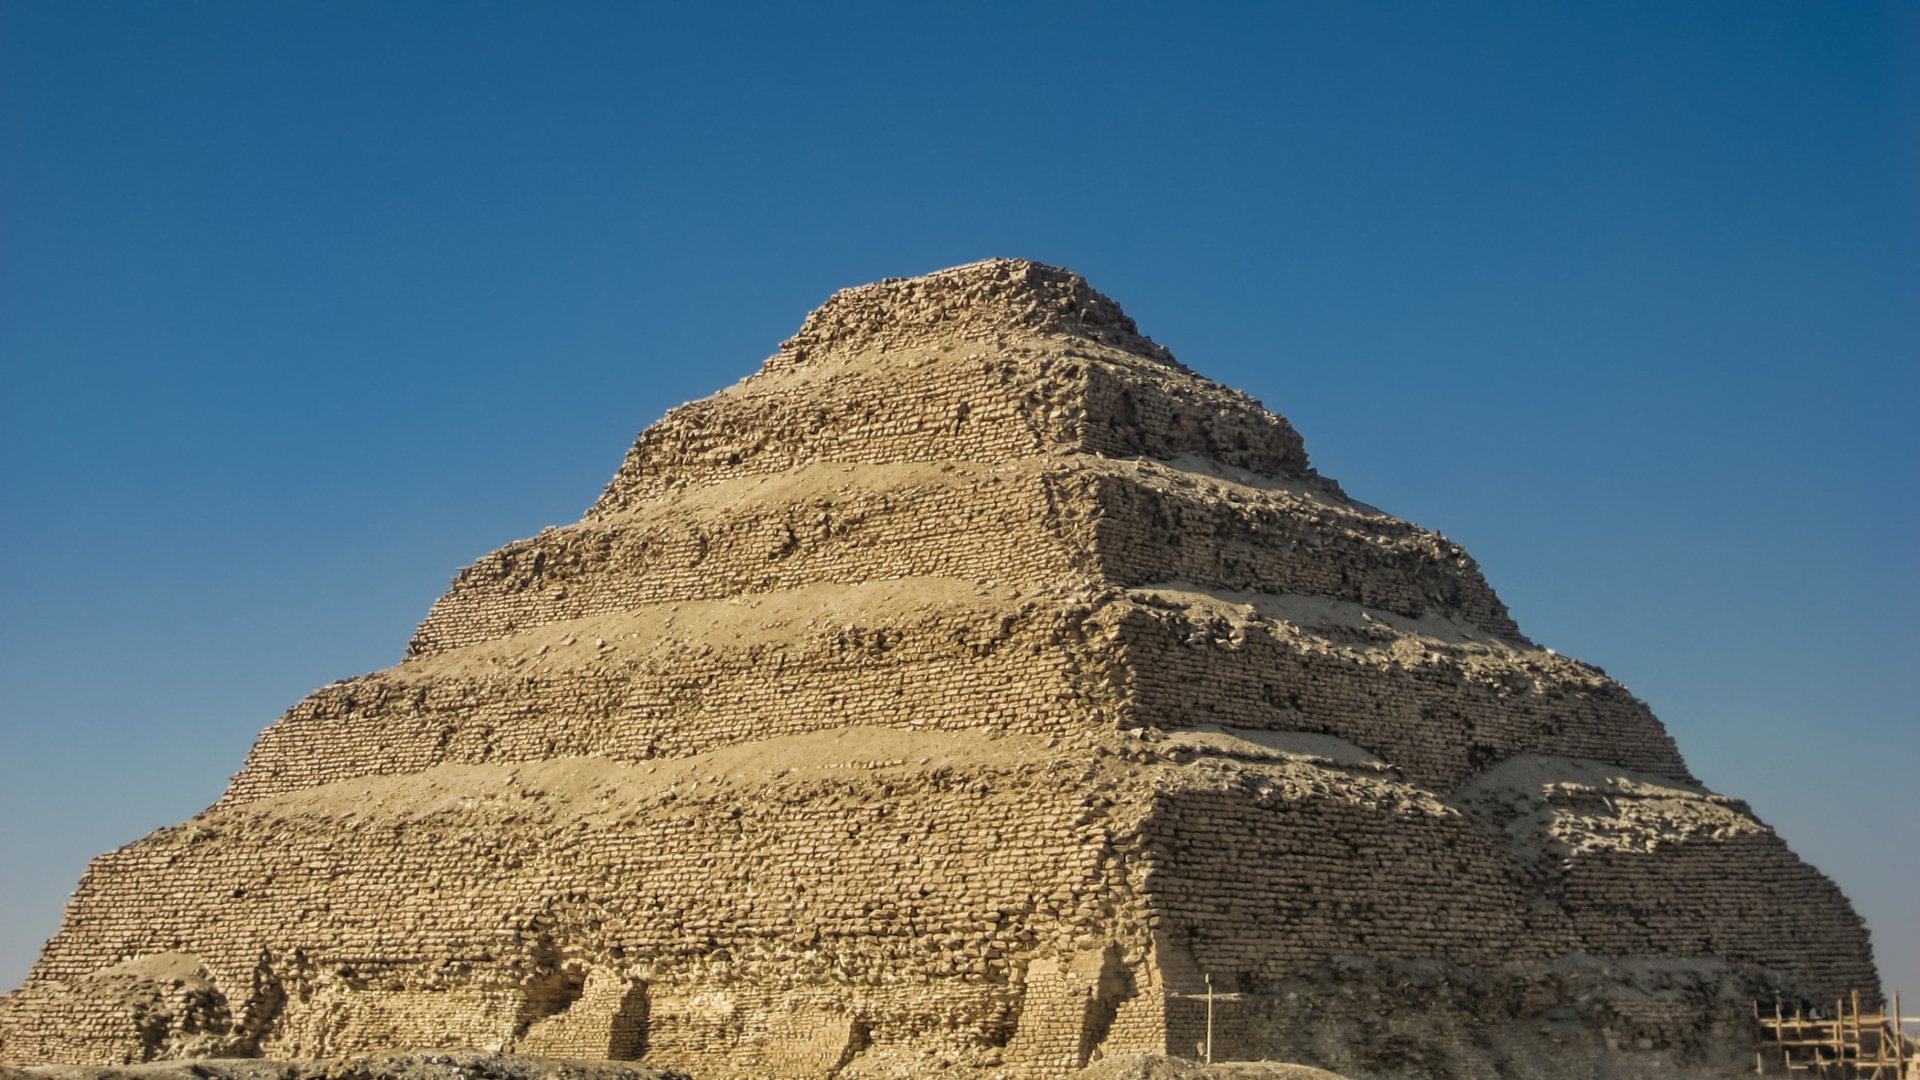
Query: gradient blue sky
(304, 306)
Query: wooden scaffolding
(1845, 1043)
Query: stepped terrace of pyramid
(960, 692)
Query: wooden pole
(1850, 1037)
(1780, 1033)
(1209, 1018)
(1899, 1039)
(1839, 1024)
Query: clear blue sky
(303, 306)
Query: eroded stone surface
(959, 693)
(414, 1066)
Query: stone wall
(1271, 868)
(686, 678)
(1161, 524)
(828, 524)
(1438, 709)
(946, 403)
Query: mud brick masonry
(959, 691)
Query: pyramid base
(878, 903)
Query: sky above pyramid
(309, 308)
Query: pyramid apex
(978, 300)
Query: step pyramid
(974, 687)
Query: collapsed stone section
(960, 692)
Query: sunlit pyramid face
(974, 684)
